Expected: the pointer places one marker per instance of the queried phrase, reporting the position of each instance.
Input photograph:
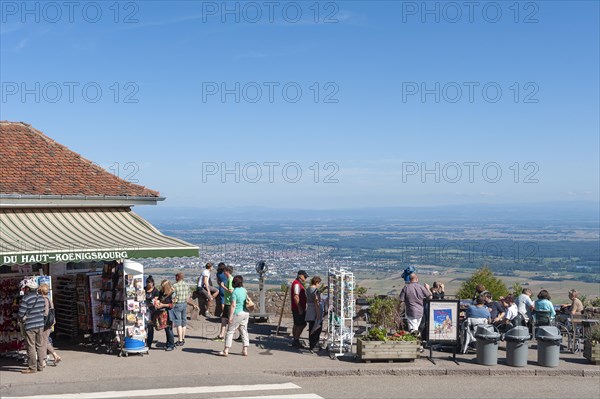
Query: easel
(453, 357)
(451, 309)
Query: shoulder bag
(249, 305)
(49, 319)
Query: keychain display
(10, 337)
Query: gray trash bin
(548, 341)
(517, 346)
(487, 344)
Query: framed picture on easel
(442, 322)
(442, 325)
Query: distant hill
(555, 212)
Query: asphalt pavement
(271, 360)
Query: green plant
(377, 334)
(403, 336)
(483, 276)
(360, 291)
(383, 311)
(517, 289)
(595, 302)
(593, 334)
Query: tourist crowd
(168, 303)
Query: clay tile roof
(32, 163)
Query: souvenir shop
(69, 223)
(98, 294)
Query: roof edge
(34, 200)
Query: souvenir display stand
(11, 341)
(341, 311)
(108, 308)
(102, 294)
(132, 337)
(84, 304)
(65, 306)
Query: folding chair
(468, 332)
(542, 317)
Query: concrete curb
(591, 373)
(521, 372)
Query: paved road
(273, 361)
(453, 387)
(264, 386)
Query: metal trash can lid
(486, 331)
(517, 334)
(548, 333)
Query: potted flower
(591, 348)
(380, 343)
(403, 336)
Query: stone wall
(273, 300)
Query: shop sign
(63, 257)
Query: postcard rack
(341, 312)
(133, 329)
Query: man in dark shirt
(496, 309)
(31, 312)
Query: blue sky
(368, 131)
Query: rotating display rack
(341, 311)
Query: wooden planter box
(389, 350)
(591, 352)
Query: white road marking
(298, 396)
(164, 391)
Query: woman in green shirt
(238, 317)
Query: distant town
(546, 255)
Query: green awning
(82, 235)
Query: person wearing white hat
(31, 313)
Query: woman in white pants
(238, 317)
